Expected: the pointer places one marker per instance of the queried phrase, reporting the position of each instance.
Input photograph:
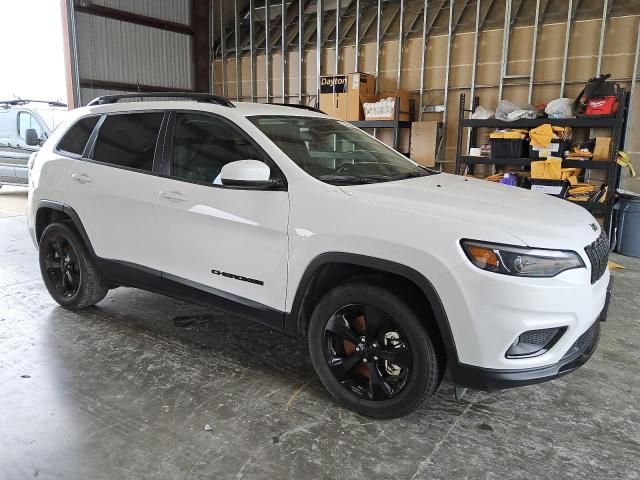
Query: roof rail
(198, 97)
(300, 106)
(24, 101)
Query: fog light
(534, 342)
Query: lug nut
(364, 360)
(375, 358)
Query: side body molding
(145, 278)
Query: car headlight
(519, 261)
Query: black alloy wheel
(372, 351)
(68, 270)
(366, 352)
(61, 265)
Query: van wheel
(371, 351)
(68, 270)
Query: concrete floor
(120, 391)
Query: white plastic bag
(560, 108)
(509, 111)
(482, 113)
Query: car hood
(538, 220)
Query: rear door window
(76, 138)
(128, 140)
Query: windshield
(336, 152)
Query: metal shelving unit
(396, 124)
(616, 124)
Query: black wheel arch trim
(294, 323)
(66, 209)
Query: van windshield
(336, 152)
(52, 117)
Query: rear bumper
(490, 379)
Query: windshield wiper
(347, 179)
(403, 176)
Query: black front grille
(538, 337)
(598, 253)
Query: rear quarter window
(76, 138)
(128, 140)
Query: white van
(24, 126)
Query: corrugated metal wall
(116, 51)
(173, 10)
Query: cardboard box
(424, 142)
(341, 96)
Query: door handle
(173, 196)
(81, 178)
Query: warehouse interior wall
(618, 60)
(123, 46)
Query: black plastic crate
(509, 148)
(557, 149)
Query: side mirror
(31, 137)
(247, 173)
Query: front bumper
(487, 312)
(490, 379)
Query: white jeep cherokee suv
(280, 214)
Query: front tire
(372, 352)
(68, 270)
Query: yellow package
(541, 136)
(568, 173)
(549, 169)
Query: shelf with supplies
(608, 122)
(381, 124)
(526, 161)
(395, 123)
(610, 168)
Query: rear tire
(372, 352)
(68, 270)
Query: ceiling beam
(372, 18)
(435, 17)
(485, 13)
(413, 22)
(515, 11)
(127, 87)
(346, 30)
(384, 30)
(457, 17)
(574, 11)
(276, 32)
(543, 10)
